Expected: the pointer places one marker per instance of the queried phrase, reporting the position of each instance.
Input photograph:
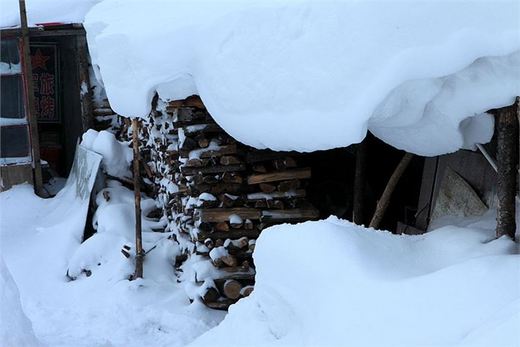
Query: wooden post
(383, 202)
(139, 254)
(507, 145)
(359, 183)
(31, 111)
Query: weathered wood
(211, 295)
(221, 304)
(384, 201)
(280, 176)
(31, 111)
(139, 258)
(507, 146)
(255, 156)
(194, 130)
(298, 193)
(246, 291)
(231, 234)
(229, 160)
(290, 215)
(359, 183)
(188, 171)
(232, 289)
(286, 186)
(217, 215)
(222, 226)
(267, 187)
(191, 101)
(223, 150)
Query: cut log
(211, 295)
(290, 215)
(190, 171)
(298, 193)
(191, 101)
(222, 305)
(286, 186)
(223, 150)
(222, 226)
(231, 234)
(229, 160)
(267, 188)
(246, 291)
(260, 168)
(280, 176)
(217, 215)
(232, 289)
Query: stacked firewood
(228, 194)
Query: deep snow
(101, 310)
(333, 283)
(311, 75)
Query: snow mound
(117, 155)
(361, 287)
(15, 328)
(310, 75)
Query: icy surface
(309, 75)
(347, 285)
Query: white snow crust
(311, 75)
(351, 286)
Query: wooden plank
(190, 171)
(216, 215)
(231, 234)
(290, 215)
(298, 193)
(223, 150)
(255, 156)
(280, 176)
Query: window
(14, 130)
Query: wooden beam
(279, 176)
(507, 146)
(31, 110)
(216, 215)
(139, 258)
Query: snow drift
(361, 287)
(15, 328)
(310, 75)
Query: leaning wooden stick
(383, 202)
(137, 191)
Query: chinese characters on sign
(45, 80)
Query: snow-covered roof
(310, 75)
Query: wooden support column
(384, 201)
(507, 146)
(359, 183)
(31, 111)
(139, 254)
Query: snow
(15, 327)
(104, 309)
(45, 11)
(117, 155)
(308, 75)
(348, 285)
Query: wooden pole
(384, 201)
(31, 111)
(507, 145)
(359, 183)
(139, 258)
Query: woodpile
(216, 193)
(228, 194)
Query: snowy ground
(102, 310)
(326, 283)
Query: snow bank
(354, 286)
(44, 11)
(308, 75)
(15, 328)
(117, 155)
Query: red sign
(44, 60)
